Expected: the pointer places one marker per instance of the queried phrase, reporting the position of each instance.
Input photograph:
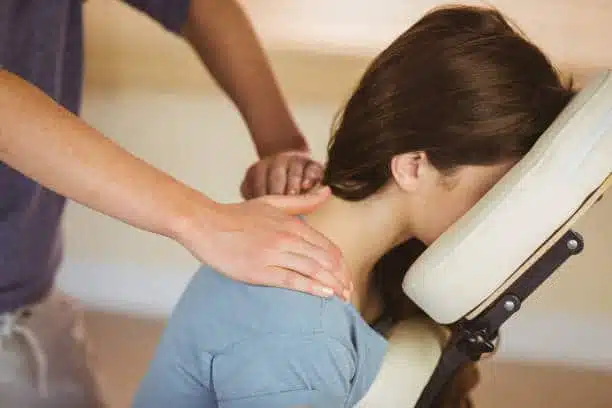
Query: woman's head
(441, 115)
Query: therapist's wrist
(270, 141)
(194, 216)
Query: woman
(436, 120)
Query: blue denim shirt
(233, 345)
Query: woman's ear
(407, 170)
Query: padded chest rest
(413, 353)
(484, 248)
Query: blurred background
(146, 89)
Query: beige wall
(147, 90)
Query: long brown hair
(463, 86)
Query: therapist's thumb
(299, 204)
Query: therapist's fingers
(287, 278)
(255, 180)
(295, 173)
(277, 174)
(259, 181)
(315, 246)
(268, 176)
(313, 174)
(309, 268)
(246, 187)
(290, 172)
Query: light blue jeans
(44, 359)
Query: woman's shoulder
(330, 365)
(212, 303)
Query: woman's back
(230, 344)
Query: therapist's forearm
(58, 150)
(222, 35)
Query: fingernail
(324, 291)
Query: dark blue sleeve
(171, 14)
(284, 370)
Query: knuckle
(316, 175)
(280, 160)
(313, 176)
(300, 161)
(295, 178)
(314, 167)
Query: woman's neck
(364, 231)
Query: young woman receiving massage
(438, 117)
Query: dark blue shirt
(42, 42)
(233, 345)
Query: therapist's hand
(262, 242)
(291, 172)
